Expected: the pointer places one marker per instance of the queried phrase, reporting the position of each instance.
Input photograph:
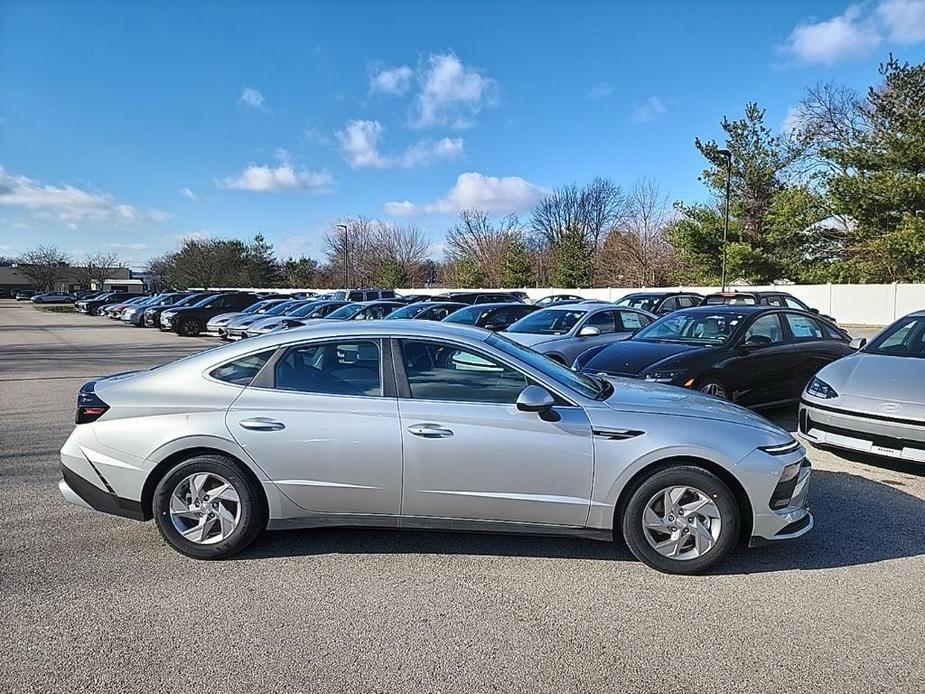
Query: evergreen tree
(573, 260)
(261, 268)
(393, 274)
(516, 270)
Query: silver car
(420, 424)
(564, 332)
(872, 401)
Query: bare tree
(584, 215)
(831, 116)
(98, 267)
(402, 249)
(637, 253)
(44, 265)
(351, 246)
(478, 239)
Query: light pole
(346, 255)
(728, 155)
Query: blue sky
(127, 126)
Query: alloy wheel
(713, 388)
(681, 522)
(189, 328)
(205, 508)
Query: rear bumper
(76, 490)
(854, 431)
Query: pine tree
(573, 260)
(516, 270)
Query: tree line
(838, 196)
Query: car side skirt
(357, 520)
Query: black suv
(762, 298)
(479, 297)
(92, 306)
(189, 321)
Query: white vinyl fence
(849, 304)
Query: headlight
(664, 376)
(820, 389)
(130, 312)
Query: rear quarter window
(241, 372)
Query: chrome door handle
(430, 431)
(261, 424)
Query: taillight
(90, 406)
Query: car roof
(730, 308)
(505, 304)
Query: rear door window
(804, 328)
(346, 367)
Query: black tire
(189, 327)
(713, 386)
(681, 475)
(253, 507)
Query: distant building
(14, 278)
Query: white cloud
(650, 109)
(252, 98)
(394, 81)
(273, 179)
(159, 215)
(451, 92)
(903, 20)
(359, 145)
(791, 123)
(187, 193)
(404, 208)
(601, 91)
(66, 203)
(829, 41)
(490, 193)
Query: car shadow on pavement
(858, 521)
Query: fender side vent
(617, 434)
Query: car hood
(877, 377)
(224, 317)
(641, 396)
(636, 356)
(269, 320)
(530, 339)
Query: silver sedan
(564, 332)
(417, 424)
(873, 401)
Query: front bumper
(760, 475)
(166, 322)
(856, 431)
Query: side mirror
(814, 310)
(535, 399)
(589, 331)
(858, 343)
(494, 327)
(758, 341)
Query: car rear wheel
(714, 387)
(681, 520)
(189, 327)
(207, 507)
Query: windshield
(549, 321)
(585, 385)
(345, 312)
(407, 311)
(701, 327)
(905, 338)
(305, 309)
(466, 316)
(646, 303)
(261, 306)
(192, 300)
(741, 299)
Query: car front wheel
(189, 327)
(681, 520)
(714, 387)
(208, 508)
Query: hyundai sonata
(417, 424)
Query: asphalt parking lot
(90, 602)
